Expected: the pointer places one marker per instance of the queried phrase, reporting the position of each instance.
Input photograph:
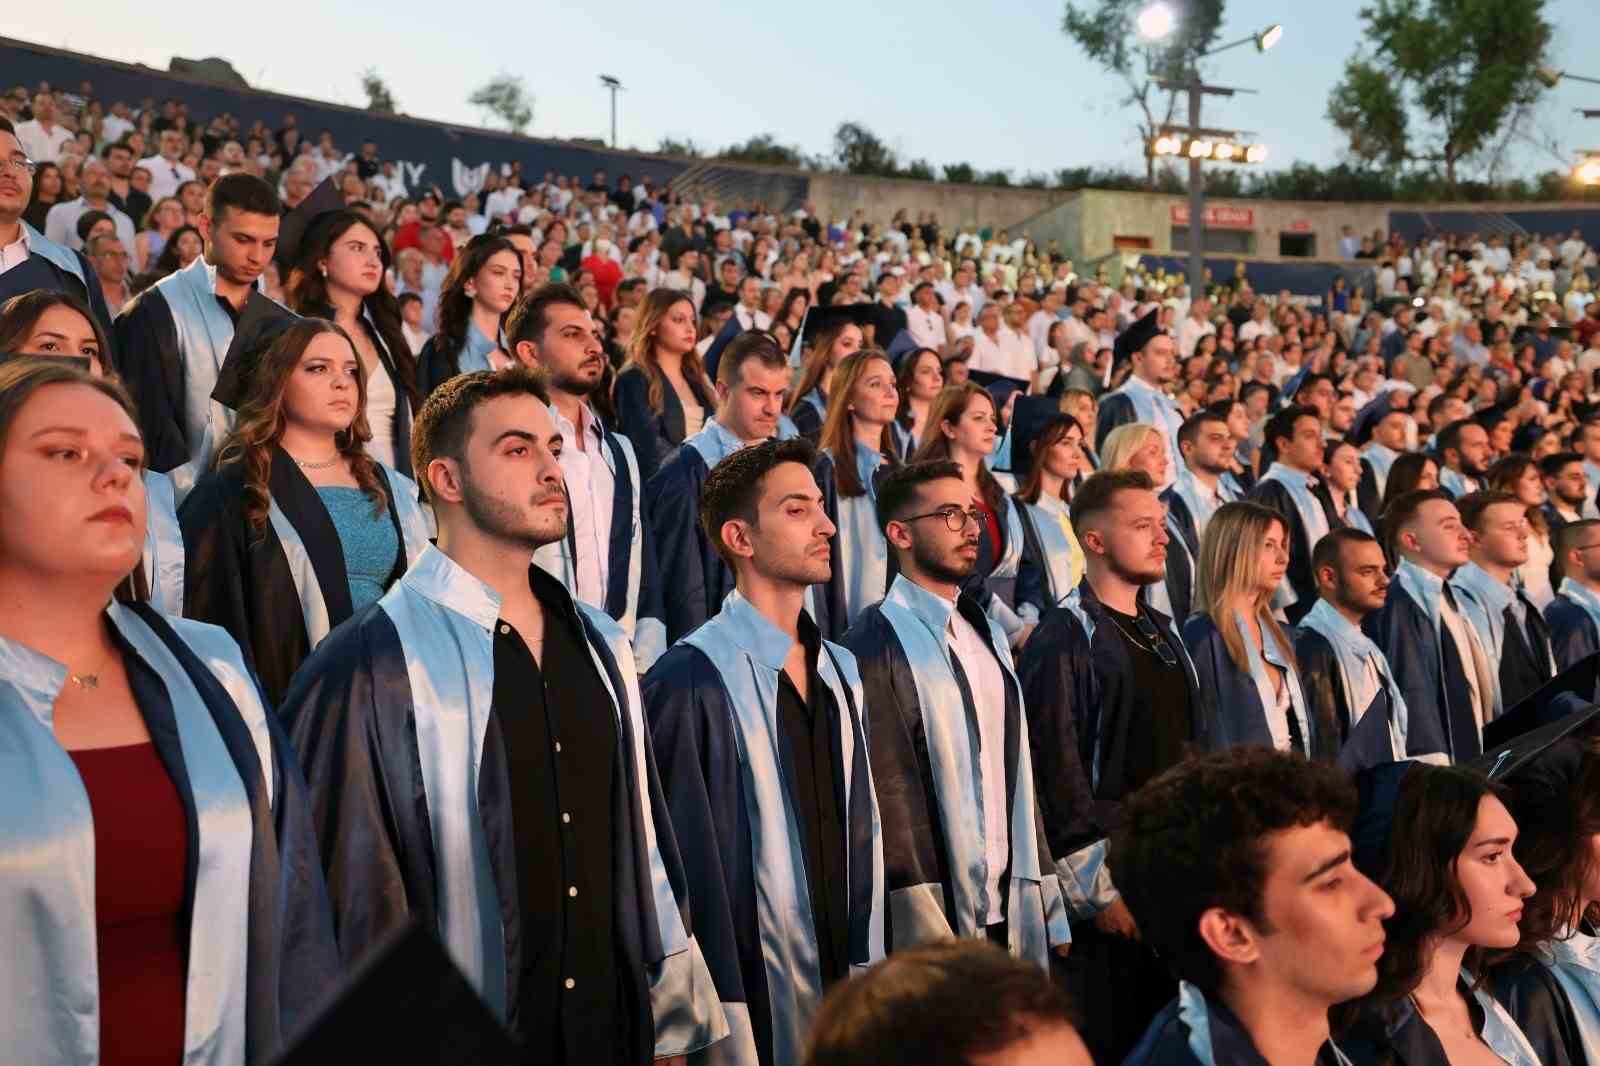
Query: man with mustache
(1112, 700)
(478, 758)
(963, 845)
(607, 558)
(758, 725)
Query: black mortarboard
(819, 318)
(1378, 788)
(1570, 690)
(1370, 743)
(999, 386)
(1133, 339)
(730, 329)
(261, 321)
(292, 230)
(1376, 410)
(406, 1003)
(1519, 754)
(903, 345)
(1030, 417)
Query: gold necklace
(86, 682)
(304, 465)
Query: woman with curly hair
(297, 527)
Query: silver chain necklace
(304, 465)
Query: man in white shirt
(61, 224)
(167, 172)
(116, 125)
(1259, 325)
(42, 137)
(924, 321)
(684, 276)
(1016, 350)
(1040, 321)
(1195, 325)
(411, 309)
(503, 202)
(749, 310)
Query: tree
(506, 98)
(960, 173)
(688, 149)
(764, 148)
(1438, 81)
(859, 151)
(379, 98)
(1107, 35)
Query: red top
(991, 522)
(141, 845)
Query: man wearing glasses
(110, 259)
(1508, 625)
(1112, 701)
(963, 845)
(28, 260)
(1574, 615)
(167, 172)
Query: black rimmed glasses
(21, 164)
(955, 518)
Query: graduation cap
(999, 386)
(297, 223)
(261, 321)
(1133, 339)
(903, 345)
(407, 1003)
(1552, 703)
(1370, 743)
(1517, 755)
(1376, 410)
(730, 329)
(1031, 416)
(820, 318)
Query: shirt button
(571, 983)
(558, 747)
(565, 818)
(573, 890)
(504, 629)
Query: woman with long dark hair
(830, 335)
(485, 279)
(297, 527)
(183, 247)
(161, 893)
(1050, 458)
(47, 192)
(338, 275)
(1440, 841)
(1413, 471)
(1341, 464)
(662, 394)
(919, 382)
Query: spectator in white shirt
(61, 224)
(749, 310)
(1194, 326)
(1259, 325)
(167, 172)
(411, 310)
(1003, 348)
(1040, 321)
(116, 125)
(924, 321)
(391, 182)
(42, 137)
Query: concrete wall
(838, 195)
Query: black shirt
(1160, 697)
(809, 731)
(560, 743)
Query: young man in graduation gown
(1143, 397)
(1380, 432)
(752, 376)
(1445, 677)
(1112, 700)
(1204, 483)
(964, 850)
(1573, 616)
(172, 339)
(1295, 436)
(477, 758)
(1463, 448)
(1344, 674)
(607, 559)
(1509, 627)
(759, 731)
(28, 260)
(1239, 874)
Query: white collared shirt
(1457, 626)
(591, 487)
(926, 328)
(165, 177)
(988, 686)
(749, 319)
(16, 253)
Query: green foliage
(379, 98)
(859, 151)
(920, 169)
(960, 173)
(506, 98)
(764, 148)
(996, 177)
(686, 148)
(1437, 82)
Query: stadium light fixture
(1587, 172)
(1156, 22)
(1269, 37)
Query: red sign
(1298, 226)
(1218, 216)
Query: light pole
(1155, 22)
(615, 86)
(1588, 171)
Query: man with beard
(1294, 435)
(1205, 482)
(1567, 487)
(1112, 700)
(758, 724)
(171, 340)
(963, 850)
(1463, 448)
(1143, 397)
(607, 558)
(1345, 675)
(477, 759)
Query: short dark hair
(1450, 436)
(1281, 425)
(241, 192)
(937, 1005)
(1330, 549)
(898, 490)
(1402, 509)
(6, 126)
(1436, 405)
(1250, 388)
(1566, 538)
(441, 428)
(1189, 432)
(530, 316)
(1474, 505)
(1196, 838)
(733, 488)
(1100, 490)
(407, 298)
(1552, 465)
(756, 345)
(115, 146)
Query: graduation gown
(1286, 492)
(633, 581)
(861, 565)
(55, 268)
(1052, 559)
(411, 801)
(401, 439)
(712, 704)
(998, 565)
(1237, 701)
(259, 947)
(1522, 649)
(653, 434)
(162, 564)
(171, 341)
(1427, 665)
(925, 750)
(1136, 401)
(1573, 619)
(809, 414)
(1563, 1028)
(1336, 661)
(436, 365)
(279, 592)
(1198, 1030)
(1397, 1035)
(1376, 462)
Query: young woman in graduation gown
(485, 279)
(831, 342)
(1440, 841)
(1052, 559)
(159, 884)
(338, 275)
(1551, 982)
(662, 394)
(297, 527)
(1249, 681)
(962, 427)
(857, 449)
(58, 325)
(920, 380)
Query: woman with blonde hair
(1142, 446)
(297, 528)
(162, 220)
(830, 334)
(1243, 657)
(662, 394)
